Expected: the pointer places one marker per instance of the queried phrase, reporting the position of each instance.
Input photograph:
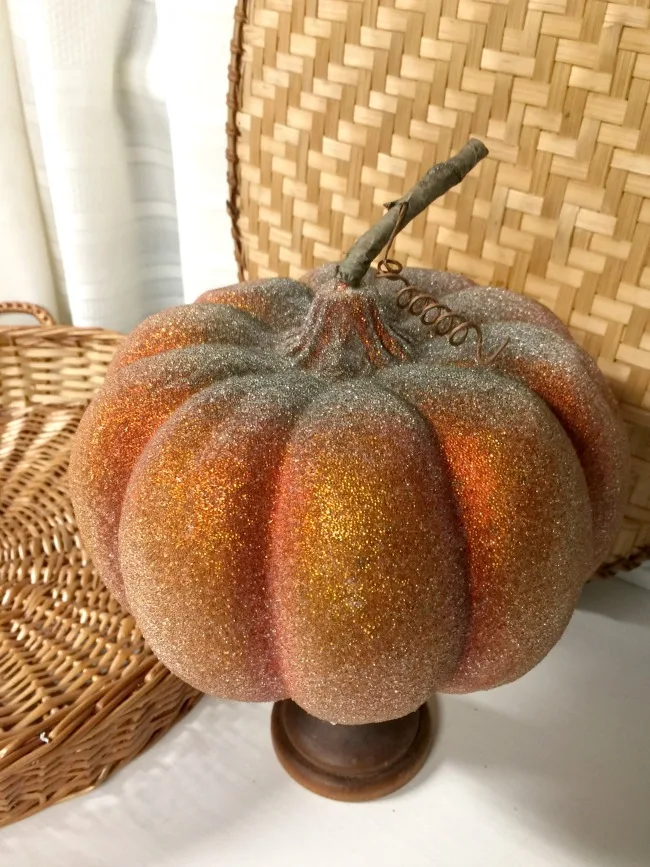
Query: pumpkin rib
(122, 419)
(389, 384)
(557, 370)
(185, 327)
(361, 539)
(561, 595)
(490, 304)
(208, 476)
(272, 529)
(581, 403)
(279, 303)
(438, 283)
(483, 419)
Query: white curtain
(112, 155)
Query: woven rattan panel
(342, 105)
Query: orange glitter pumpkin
(300, 492)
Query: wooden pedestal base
(350, 763)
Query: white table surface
(553, 770)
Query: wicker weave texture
(80, 692)
(343, 104)
(56, 364)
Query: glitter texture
(299, 492)
(524, 506)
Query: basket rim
(49, 328)
(51, 332)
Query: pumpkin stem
(344, 327)
(435, 183)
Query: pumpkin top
(337, 332)
(324, 326)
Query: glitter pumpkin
(299, 491)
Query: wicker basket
(80, 692)
(337, 107)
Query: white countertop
(553, 770)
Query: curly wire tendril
(431, 313)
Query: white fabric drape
(112, 155)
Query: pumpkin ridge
(186, 327)
(81, 452)
(270, 581)
(563, 376)
(461, 528)
(218, 349)
(491, 304)
(597, 438)
(347, 532)
(266, 588)
(217, 420)
(452, 495)
(483, 418)
(276, 302)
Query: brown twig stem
(435, 183)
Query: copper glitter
(368, 573)
(299, 491)
(524, 508)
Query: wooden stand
(350, 763)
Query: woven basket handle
(40, 313)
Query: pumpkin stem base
(350, 763)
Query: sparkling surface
(574, 388)
(131, 406)
(368, 566)
(485, 304)
(524, 508)
(301, 493)
(198, 575)
(280, 303)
